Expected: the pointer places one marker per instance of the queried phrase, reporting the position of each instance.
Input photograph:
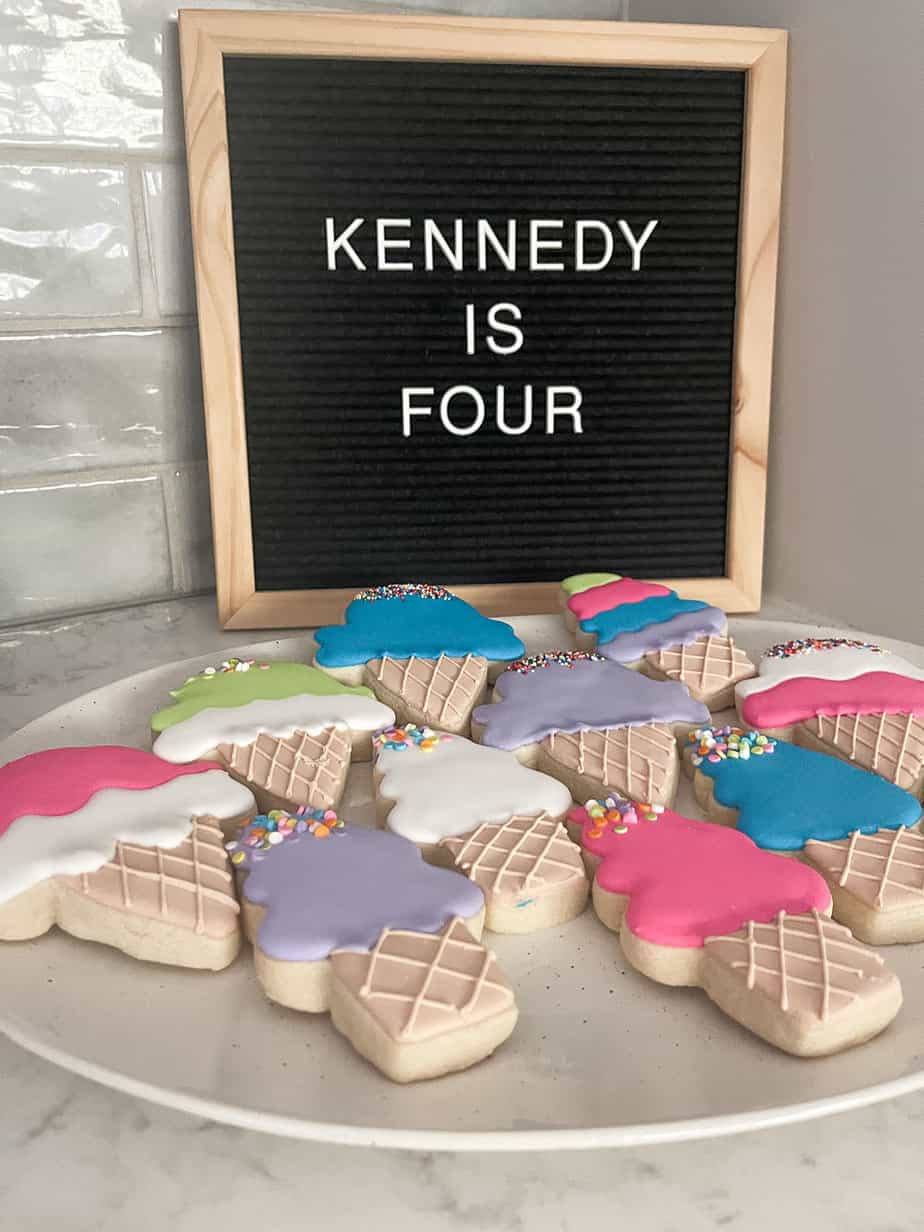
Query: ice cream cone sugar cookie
(115, 845)
(287, 730)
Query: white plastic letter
(504, 327)
(527, 412)
(383, 243)
(469, 329)
(582, 226)
(551, 409)
(334, 242)
(537, 244)
(637, 244)
(447, 398)
(432, 234)
(408, 392)
(487, 235)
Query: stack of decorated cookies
(508, 786)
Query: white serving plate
(601, 1056)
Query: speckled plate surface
(601, 1055)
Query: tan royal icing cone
(639, 762)
(419, 1005)
(891, 745)
(440, 693)
(301, 769)
(876, 882)
(801, 982)
(530, 871)
(710, 667)
(186, 891)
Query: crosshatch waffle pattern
(302, 768)
(806, 962)
(189, 886)
(522, 855)
(891, 745)
(418, 985)
(634, 761)
(884, 870)
(443, 690)
(706, 665)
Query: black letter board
(486, 316)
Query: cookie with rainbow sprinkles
(423, 651)
(701, 905)
(353, 922)
(859, 831)
(842, 696)
(593, 724)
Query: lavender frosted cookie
(353, 921)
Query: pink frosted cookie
(353, 921)
(698, 904)
(846, 697)
(115, 845)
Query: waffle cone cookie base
(421, 1005)
(168, 905)
(710, 667)
(639, 762)
(802, 983)
(440, 692)
(891, 745)
(301, 769)
(530, 872)
(877, 883)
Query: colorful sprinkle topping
(409, 736)
(404, 590)
(272, 828)
(728, 743)
(618, 815)
(560, 658)
(805, 645)
(233, 665)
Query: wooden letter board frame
(207, 36)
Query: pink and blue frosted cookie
(648, 626)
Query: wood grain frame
(206, 36)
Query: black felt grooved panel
(338, 496)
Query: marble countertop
(81, 1156)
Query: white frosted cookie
(353, 922)
(483, 812)
(700, 905)
(424, 651)
(287, 730)
(115, 845)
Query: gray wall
(846, 500)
